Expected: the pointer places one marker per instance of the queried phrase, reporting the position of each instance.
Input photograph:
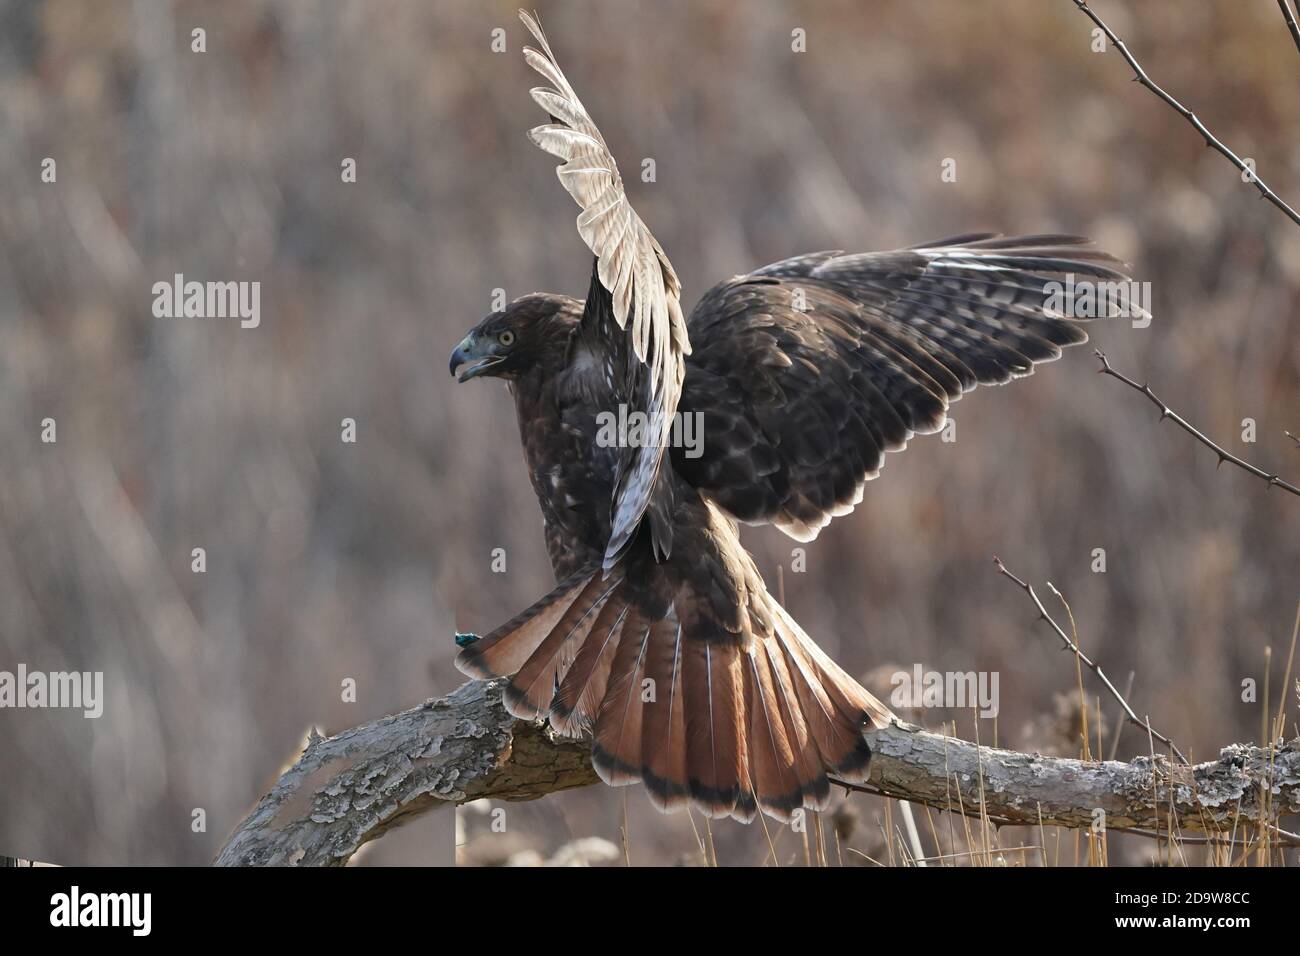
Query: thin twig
(1210, 139)
(1119, 724)
(1290, 22)
(1073, 648)
(967, 853)
(1167, 412)
(1284, 836)
(1294, 438)
(1280, 722)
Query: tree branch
(1211, 140)
(1290, 22)
(1087, 662)
(348, 789)
(1169, 413)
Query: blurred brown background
(329, 560)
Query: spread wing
(633, 316)
(807, 371)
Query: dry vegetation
(328, 561)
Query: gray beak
(471, 349)
(461, 354)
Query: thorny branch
(1087, 662)
(1167, 412)
(1211, 140)
(1290, 22)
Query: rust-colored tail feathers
(753, 722)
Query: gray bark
(351, 788)
(1018, 788)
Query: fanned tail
(731, 723)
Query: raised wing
(807, 371)
(633, 316)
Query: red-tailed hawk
(661, 642)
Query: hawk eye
(506, 338)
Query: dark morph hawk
(661, 641)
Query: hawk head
(533, 331)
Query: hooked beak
(471, 349)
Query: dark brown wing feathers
(809, 370)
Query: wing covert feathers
(810, 370)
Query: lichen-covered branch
(348, 789)
(1145, 793)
